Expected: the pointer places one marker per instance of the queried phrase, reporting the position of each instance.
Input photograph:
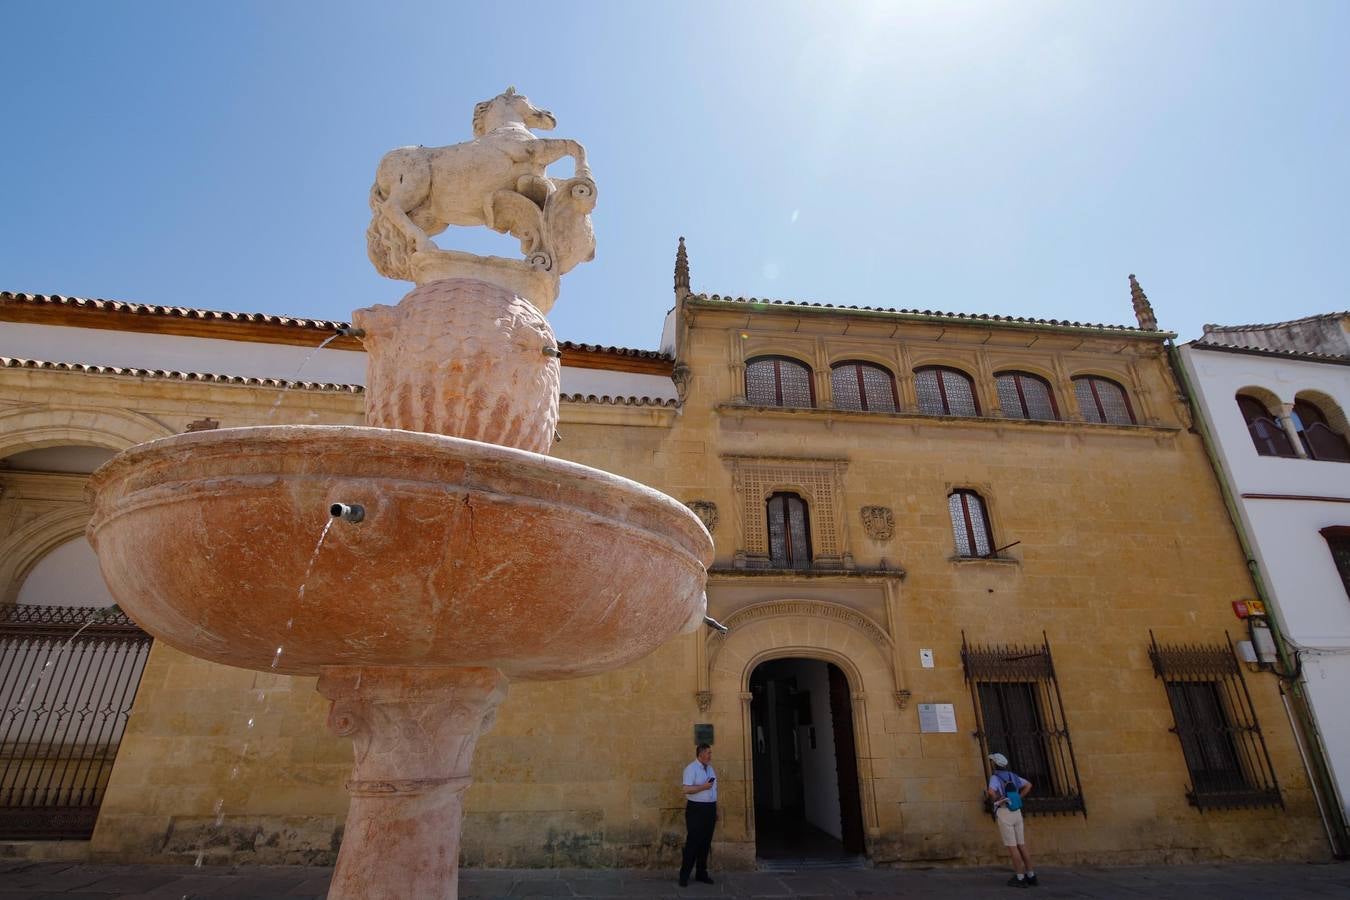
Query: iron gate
(68, 677)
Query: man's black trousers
(699, 819)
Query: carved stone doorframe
(861, 735)
(802, 629)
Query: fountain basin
(469, 555)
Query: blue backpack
(1010, 791)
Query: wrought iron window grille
(1019, 712)
(68, 678)
(1221, 741)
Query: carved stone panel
(878, 522)
(820, 484)
(706, 510)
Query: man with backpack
(1006, 790)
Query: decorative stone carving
(704, 699)
(465, 358)
(706, 510)
(682, 375)
(878, 522)
(902, 698)
(206, 424)
(803, 608)
(413, 732)
(497, 179)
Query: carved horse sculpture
(497, 180)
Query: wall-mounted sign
(1245, 608)
(937, 717)
(703, 734)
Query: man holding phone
(700, 815)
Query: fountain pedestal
(414, 732)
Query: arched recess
(807, 629)
(22, 549)
(33, 429)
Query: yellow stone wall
(1121, 528)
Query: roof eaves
(935, 316)
(11, 362)
(1333, 358)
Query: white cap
(999, 760)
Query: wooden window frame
(1249, 781)
(1092, 381)
(1032, 669)
(1017, 377)
(940, 371)
(1340, 555)
(857, 366)
(789, 562)
(1255, 423)
(969, 525)
(1322, 421)
(778, 377)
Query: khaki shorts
(1010, 827)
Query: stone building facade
(936, 536)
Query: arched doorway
(808, 802)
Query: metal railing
(68, 678)
(1019, 713)
(1221, 741)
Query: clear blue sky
(1017, 158)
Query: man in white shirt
(700, 815)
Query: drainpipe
(1301, 719)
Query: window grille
(859, 385)
(1019, 713)
(1338, 541)
(1221, 741)
(778, 381)
(67, 683)
(789, 532)
(1318, 438)
(1024, 396)
(1102, 400)
(945, 392)
(970, 524)
(1267, 433)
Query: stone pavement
(84, 881)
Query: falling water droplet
(250, 722)
(198, 863)
(277, 658)
(234, 773)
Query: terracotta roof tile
(180, 312)
(620, 401)
(927, 313)
(1266, 351)
(613, 351)
(10, 362)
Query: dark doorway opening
(807, 800)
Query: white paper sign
(937, 717)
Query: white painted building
(1273, 400)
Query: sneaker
(1018, 882)
(684, 881)
(703, 878)
(1031, 880)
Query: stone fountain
(467, 558)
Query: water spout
(715, 625)
(553, 352)
(351, 331)
(347, 512)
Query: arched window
(1266, 431)
(945, 392)
(860, 385)
(778, 381)
(1102, 400)
(1316, 433)
(970, 524)
(789, 532)
(1025, 396)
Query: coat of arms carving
(878, 522)
(706, 510)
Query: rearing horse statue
(498, 179)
